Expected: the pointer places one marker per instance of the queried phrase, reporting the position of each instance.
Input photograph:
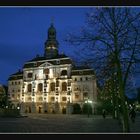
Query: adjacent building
(52, 83)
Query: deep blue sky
(23, 31)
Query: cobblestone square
(54, 123)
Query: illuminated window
(29, 87)
(40, 87)
(52, 86)
(64, 86)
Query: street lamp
(88, 103)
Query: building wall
(78, 89)
(15, 91)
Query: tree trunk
(125, 120)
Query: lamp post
(88, 103)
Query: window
(46, 71)
(63, 72)
(52, 87)
(75, 79)
(29, 98)
(80, 72)
(64, 99)
(47, 77)
(40, 87)
(13, 95)
(57, 83)
(13, 90)
(86, 78)
(81, 79)
(69, 83)
(76, 96)
(18, 90)
(40, 98)
(15, 83)
(58, 62)
(30, 75)
(52, 99)
(35, 64)
(64, 86)
(85, 94)
(45, 83)
(29, 87)
(19, 82)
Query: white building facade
(52, 83)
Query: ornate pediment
(46, 64)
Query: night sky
(23, 31)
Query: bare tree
(111, 43)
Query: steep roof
(40, 60)
(16, 76)
(82, 70)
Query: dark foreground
(53, 123)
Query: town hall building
(52, 83)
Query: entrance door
(64, 110)
(39, 109)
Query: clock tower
(51, 44)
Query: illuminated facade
(51, 83)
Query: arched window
(29, 87)
(52, 87)
(63, 72)
(40, 87)
(64, 86)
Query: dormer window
(35, 64)
(57, 61)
